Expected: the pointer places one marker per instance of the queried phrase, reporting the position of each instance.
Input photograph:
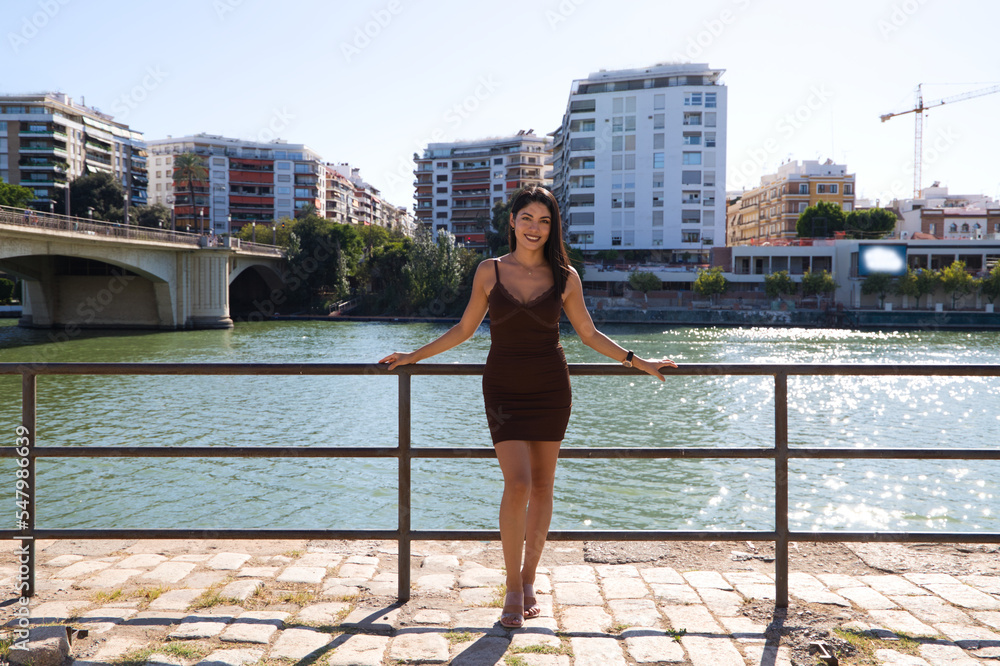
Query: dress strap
(496, 267)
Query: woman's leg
(515, 463)
(543, 456)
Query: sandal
(531, 607)
(512, 616)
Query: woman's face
(532, 225)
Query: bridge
(79, 273)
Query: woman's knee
(517, 488)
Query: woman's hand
(653, 367)
(399, 358)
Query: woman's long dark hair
(554, 250)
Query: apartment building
(350, 199)
(939, 214)
(457, 184)
(247, 181)
(48, 140)
(639, 161)
(770, 212)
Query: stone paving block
(191, 557)
(901, 621)
(969, 637)
(103, 620)
(153, 619)
(200, 626)
(662, 575)
(227, 561)
(440, 583)
(46, 646)
(707, 579)
(142, 561)
(534, 636)
(358, 650)
(650, 645)
(624, 588)
(382, 585)
(254, 627)
(319, 559)
(932, 610)
(617, 571)
(769, 654)
(302, 575)
(837, 581)
(340, 587)
(545, 604)
(867, 598)
(423, 648)
(63, 560)
(57, 611)
(946, 654)
(323, 614)
(481, 577)
(169, 572)
(964, 596)
(925, 579)
(205, 578)
(160, 659)
(542, 584)
(635, 612)
(675, 594)
(484, 651)
(176, 599)
(711, 650)
(366, 560)
(895, 658)
(747, 578)
(258, 572)
(989, 584)
(585, 619)
(597, 651)
(241, 590)
(757, 590)
(431, 616)
(480, 621)
(991, 618)
(817, 595)
(721, 602)
(296, 643)
(83, 568)
(352, 570)
(744, 630)
(235, 657)
(440, 563)
(574, 573)
(545, 659)
(477, 596)
(693, 618)
(373, 620)
(116, 647)
(578, 594)
(891, 585)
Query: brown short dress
(526, 382)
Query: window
(690, 217)
(659, 102)
(158, 174)
(690, 236)
(616, 162)
(803, 188)
(658, 218)
(710, 100)
(441, 165)
(442, 178)
(630, 104)
(442, 215)
(498, 188)
(657, 180)
(709, 179)
(710, 119)
(284, 166)
(692, 139)
(692, 99)
(617, 143)
(802, 206)
(657, 199)
(618, 105)
(691, 119)
(630, 142)
(582, 144)
(708, 218)
(710, 139)
(657, 160)
(629, 123)
(616, 240)
(659, 120)
(498, 174)
(953, 228)
(691, 177)
(217, 161)
(616, 222)
(965, 228)
(848, 188)
(629, 237)
(630, 161)
(630, 199)
(658, 141)
(284, 190)
(442, 190)
(302, 192)
(284, 178)
(629, 179)
(690, 197)
(616, 200)
(581, 219)
(441, 202)
(617, 122)
(657, 237)
(826, 188)
(497, 160)
(690, 158)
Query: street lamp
(173, 213)
(201, 216)
(253, 233)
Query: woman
(526, 381)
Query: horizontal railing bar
(206, 452)
(763, 369)
(579, 452)
(603, 535)
(179, 533)
(908, 453)
(902, 537)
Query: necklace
(530, 270)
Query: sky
(370, 83)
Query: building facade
(770, 212)
(639, 162)
(49, 140)
(939, 214)
(457, 184)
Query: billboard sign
(881, 258)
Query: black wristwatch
(628, 360)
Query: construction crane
(918, 142)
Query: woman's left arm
(576, 311)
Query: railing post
(28, 385)
(404, 487)
(781, 490)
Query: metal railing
(27, 452)
(40, 220)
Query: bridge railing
(26, 452)
(41, 220)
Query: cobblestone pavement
(333, 603)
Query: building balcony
(100, 147)
(43, 150)
(39, 134)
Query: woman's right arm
(460, 332)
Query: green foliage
(711, 282)
(779, 283)
(99, 191)
(870, 223)
(188, 168)
(956, 279)
(15, 196)
(156, 216)
(496, 235)
(990, 285)
(645, 282)
(609, 256)
(576, 259)
(6, 291)
(821, 220)
(917, 283)
(435, 272)
(818, 283)
(877, 283)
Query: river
(448, 411)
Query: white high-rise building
(639, 162)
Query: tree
(496, 236)
(779, 283)
(98, 193)
(188, 168)
(870, 223)
(6, 291)
(877, 283)
(711, 282)
(916, 283)
(990, 285)
(608, 256)
(818, 284)
(824, 218)
(15, 196)
(645, 282)
(956, 279)
(576, 260)
(155, 216)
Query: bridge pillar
(207, 283)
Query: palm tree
(189, 167)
